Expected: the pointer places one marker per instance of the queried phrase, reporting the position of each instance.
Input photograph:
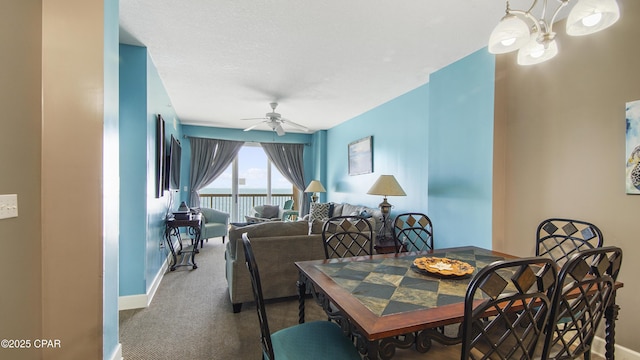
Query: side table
(193, 226)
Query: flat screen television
(173, 164)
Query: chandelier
(534, 38)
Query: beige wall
(20, 267)
(562, 124)
(51, 156)
(72, 137)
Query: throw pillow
(319, 211)
(270, 211)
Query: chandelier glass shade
(534, 38)
(511, 34)
(536, 51)
(590, 16)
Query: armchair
(288, 213)
(262, 213)
(214, 223)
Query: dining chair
(586, 288)
(560, 238)
(413, 232)
(346, 236)
(506, 307)
(309, 340)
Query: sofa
(214, 224)
(277, 245)
(324, 211)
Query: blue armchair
(214, 224)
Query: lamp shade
(314, 187)
(510, 34)
(590, 16)
(386, 185)
(535, 52)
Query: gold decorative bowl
(443, 266)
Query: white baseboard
(140, 301)
(117, 355)
(621, 352)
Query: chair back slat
(347, 236)
(413, 231)
(586, 288)
(507, 305)
(560, 238)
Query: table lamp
(314, 187)
(386, 185)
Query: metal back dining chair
(507, 305)
(560, 238)
(346, 236)
(586, 288)
(413, 232)
(310, 340)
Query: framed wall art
(361, 156)
(632, 148)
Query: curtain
(209, 159)
(288, 159)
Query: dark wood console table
(193, 227)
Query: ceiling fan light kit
(533, 36)
(275, 121)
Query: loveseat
(277, 245)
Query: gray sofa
(277, 246)
(332, 209)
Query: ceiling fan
(275, 121)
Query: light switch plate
(8, 206)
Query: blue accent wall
(400, 141)
(437, 140)
(142, 215)
(461, 151)
(133, 168)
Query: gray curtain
(288, 159)
(209, 159)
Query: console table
(193, 225)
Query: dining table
(385, 302)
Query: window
(251, 180)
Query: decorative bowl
(443, 266)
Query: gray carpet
(190, 316)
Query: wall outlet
(8, 206)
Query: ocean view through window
(252, 180)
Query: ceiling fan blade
(258, 118)
(253, 126)
(301, 127)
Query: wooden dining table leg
(302, 289)
(610, 317)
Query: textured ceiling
(324, 62)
